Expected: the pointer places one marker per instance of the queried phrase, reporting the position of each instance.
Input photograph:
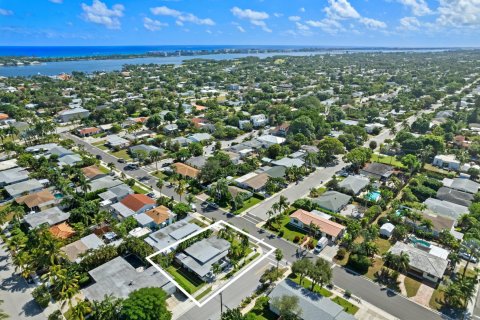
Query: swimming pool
(58, 195)
(421, 242)
(373, 196)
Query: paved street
(15, 292)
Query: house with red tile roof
(86, 132)
(133, 204)
(304, 220)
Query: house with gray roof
(69, 160)
(462, 184)
(445, 208)
(72, 114)
(276, 171)
(41, 148)
(455, 196)
(50, 217)
(313, 306)
(119, 278)
(60, 151)
(182, 141)
(115, 194)
(333, 201)
(114, 141)
(12, 176)
(202, 255)
(197, 162)
(144, 148)
(169, 235)
(377, 170)
(427, 263)
(354, 184)
(74, 250)
(24, 187)
(200, 137)
(170, 128)
(288, 162)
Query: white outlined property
(264, 249)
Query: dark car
(99, 157)
(120, 160)
(151, 195)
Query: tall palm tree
(181, 188)
(160, 184)
(155, 156)
(283, 203)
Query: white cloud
(255, 17)
(153, 25)
(56, 1)
(372, 23)
(294, 18)
(99, 13)
(328, 25)
(301, 26)
(5, 12)
(419, 7)
(181, 16)
(302, 9)
(341, 9)
(277, 15)
(240, 28)
(409, 23)
(459, 13)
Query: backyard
(189, 281)
(387, 160)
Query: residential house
(372, 127)
(288, 162)
(462, 184)
(455, 196)
(12, 176)
(243, 123)
(377, 170)
(333, 201)
(8, 164)
(202, 255)
(62, 231)
(147, 149)
(105, 182)
(156, 218)
(259, 120)
(354, 184)
(197, 162)
(87, 132)
(253, 181)
(386, 230)
(281, 130)
(313, 305)
(74, 250)
(235, 191)
(49, 217)
(119, 278)
(185, 170)
(439, 223)
(170, 128)
(38, 201)
(446, 161)
(41, 148)
(116, 142)
(182, 141)
(60, 152)
(69, 160)
(304, 219)
(276, 171)
(115, 194)
(92, 172)
(445, 208)
(167, 236)
(73, 114)
(268, 140)
(200, 137)
(427, 263)
(23, 188)
(132, 204)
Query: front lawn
(290, 231)
(387, 160)
(437, 299)
(247, 204)
(383, 245)
(376, 267)
(189, 281)
(100, 145)
(412, 286)
(204, 293)
(307, 284)
(347, 306)
(104, 169)
(123, 154)
(138, 189)
(159, 175)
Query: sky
(389, 23)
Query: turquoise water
(420, 242)
(373, 196)
(58, 195)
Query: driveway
(15, 292)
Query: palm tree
(403, 262)
(245, 242)
(111, 166)
(283, 203)
(278, 257)
(155, 156)
(23, 263)
(471, 247)
(180, 188)
(160, 184)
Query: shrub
(348, 294)
(382, 221)
(341, 253)
(280, 234)
(359, 262)
(56, 315)
(261, 303)
(296, 239)
(42, 296)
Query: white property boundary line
(230, 282)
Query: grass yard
(376, 266)
(436, 301)
(188, 281)
(412, 286)
(100, 145)
(104, 169)
(307, 284)
(159, 174)
(204, 293)
(289, 231)
(247, 204)
(387, 160)
(199, 223)
(122, 154)
(432, 168)
(264, 314)
(138, 189)
(347, 306)
(383, 245)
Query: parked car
(99, 157)
(151, 195)
(321, 244)
(464, 255)
(193, 207)
(120, 160)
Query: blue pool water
(58, 195)
(373, 196)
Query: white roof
(245, 177)
(387, 227)
(271, 139)
(8, 164)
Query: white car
(321, 244)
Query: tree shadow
(14, 283)
(31, 308)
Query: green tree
(146, 304)
(358, 157)
(320, 273)
(278, 256)
(287, 307)
(232, 314)
(301, 267)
